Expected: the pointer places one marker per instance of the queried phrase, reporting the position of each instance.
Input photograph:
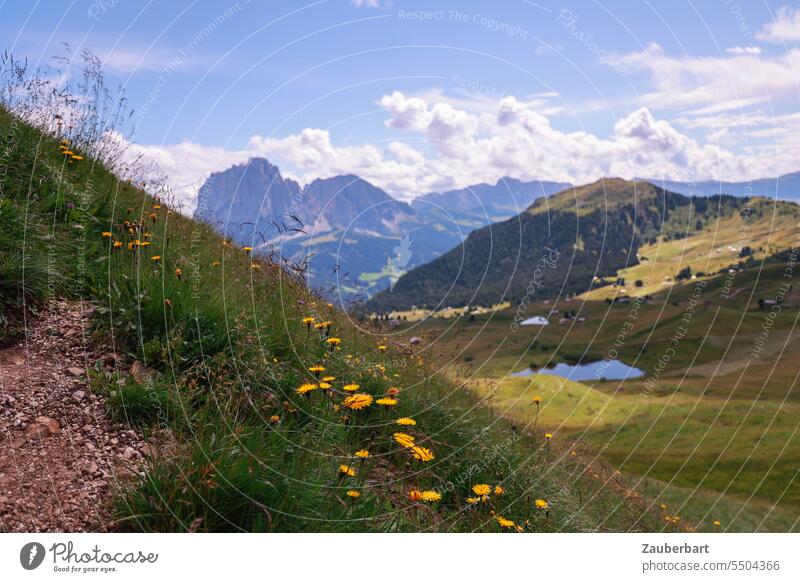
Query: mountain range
(353, 239)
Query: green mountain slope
(562, 245)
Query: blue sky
(417, 96)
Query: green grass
(224, 335)
(716, 436)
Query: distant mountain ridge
(355, 237)
(784, 187)
(508, 196)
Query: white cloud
(687, 81)
(462, 148)
(744, 50)
(371, 3)
(785, 28)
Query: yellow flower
(481, 489)
(178, 273)
(308, 321)
(381, 348)
(351, 387)
(415, 494)
(386, 401)
(537, 399)
(472, 500)
(306, 388)
(498, 490)
(274, 418)
(155, 258)
(422, 454)
(404, 440)
(430, 496)
(503, 522)
(117, 244)
(405, 421)
(216, 264)
(334, 341)
(548, 436)
(106, 234)
(247, 249)
(78, 158)
(328, 378)
(541, 504)
(255, 266)
(324, 385)
(357, 401)
(353, 494)
(663, 506)
(347, 471)
(716, 522)
(362, 454)
(317, 369)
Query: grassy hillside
(586, 239)
(268, 409)
(711, 431)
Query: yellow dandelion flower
(317, 370)
(415, 494)
(422, 453)
(106, 234)
(381, 348)
(548, 436)
(541, 504)
(503, 522)
(306, 388)
(406, 421)
(404, 440)
(178, 273)
(351, 387)
(386, 402)
(346, 471)
(328, 378)
(77, 158)
(537, 399)
(353, 494)
(357, 401)
(472, 500)
(362, 454)
(274, 418)
(481, 489)
(117, 244)
(155, 258)
(216, 264)
(324, 385)
(499, 490)
(334, 341)
(430, 496)
(308, 321)
(247, 249)
(716, 522)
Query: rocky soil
(59, 454)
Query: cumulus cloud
(444, 147)
(785, 28)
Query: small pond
(604, 369)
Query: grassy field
(252, 435)
(711, 431)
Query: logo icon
(31, 555)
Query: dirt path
(58, 452)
